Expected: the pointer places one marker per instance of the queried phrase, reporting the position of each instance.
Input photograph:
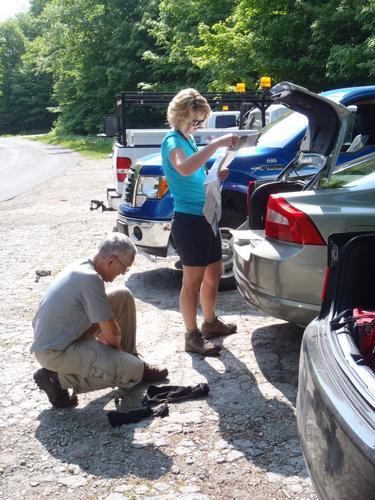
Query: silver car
(280, 253)
(336, 390)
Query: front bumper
(336, 424)
(152, 237)
(282, 279)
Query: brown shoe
(194, 342)
(217, 328)
(48, 382)
(153, 373)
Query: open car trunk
(351, 258)
(350, 285)
(336, 394)
(317, 153)
(258, 195)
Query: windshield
(255, 120)
(255, 117)
(355, 175)
(279, 132)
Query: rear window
(225, 121)
(355, 174)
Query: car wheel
(227, 281)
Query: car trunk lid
(326, 129)
(317, 154)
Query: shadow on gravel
(154, 285)
(159, 287)
(251, 419)
(83, 436)
(276, 349)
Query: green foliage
(73, 57)
(352, 55)
(12, 46)
(313, 43)
(93, 48)
(222, 56)
(25, 92)
(177, 31)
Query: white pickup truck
(132, 144)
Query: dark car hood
(327, 127)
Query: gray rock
(72, 481)
(42, 273)
(175, 469)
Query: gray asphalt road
(25, 164)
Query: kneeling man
(85, 337)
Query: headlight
(150, 187)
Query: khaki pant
(88, 365)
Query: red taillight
(287, 223)
(122, 167)
(250, 190)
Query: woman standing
(197, 245)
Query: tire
(227, 281)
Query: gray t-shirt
(74, 300)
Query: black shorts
(195, 240)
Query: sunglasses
(124, 267)
(196, 123)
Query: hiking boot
(217, 328)
(194, 342)
(48, 382)
(153, 373)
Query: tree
(310, 42)
(93, 49)
(346, 42)
(177, 33)
(25, 94)
(87, 51)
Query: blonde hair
(181, 107)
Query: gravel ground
(240, 442)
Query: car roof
(345, 94)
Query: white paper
(230, 153)
(212, 186)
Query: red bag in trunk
(364, 334)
